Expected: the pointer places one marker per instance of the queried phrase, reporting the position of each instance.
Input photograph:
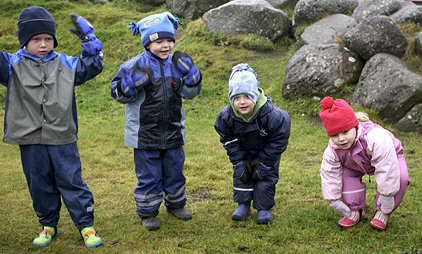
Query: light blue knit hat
(243, 80)
(155, 27)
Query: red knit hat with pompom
(337, 116)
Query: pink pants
(354, 191)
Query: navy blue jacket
(264, 137)
(155, 117)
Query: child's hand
(140, 77)
(126, 86)
(84, 30)
(242, 171)
(259, 170)
(184, 62)
(386, 203)
(341, 208)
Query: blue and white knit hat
(155, 27)
(243, 80)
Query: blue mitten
(90, 44)
(140, 77)
(193, 77)
(183, 61)
(126, 86)
(259, 170)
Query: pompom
(175, 20)
(242, 67)
(327, 103)
(134, 27)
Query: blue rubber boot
(241, 212)
(264, 217)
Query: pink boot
(380, 220)
(354, 218)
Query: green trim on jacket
(260, 102)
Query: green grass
(303, 222)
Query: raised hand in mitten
(341, 208)
(183, 61)
(141, 76)
(90, 44)
(386, 203)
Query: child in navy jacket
(152, 86)
(255, 134)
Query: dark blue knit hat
(35, 20)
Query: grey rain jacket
(40, 100)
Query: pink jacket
(374, 153)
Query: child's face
(40, 45)
(345, 139)
(244, 105)
(161, 48)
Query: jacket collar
(46, 58)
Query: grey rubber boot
(151, 223)
(180, 213)
(242, 212)
(264, 217)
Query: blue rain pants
(262, 192)
(160, 176)
(54, 172)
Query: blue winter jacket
(40, 100)
(264, 137)
(155, 117)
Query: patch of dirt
(202, 195)
(316, 120)
(179, 35)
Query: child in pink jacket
(359, 147)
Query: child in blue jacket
(41, 118)
(152, 85)
(255, 134)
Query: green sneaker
(91, 239)
(45, 237)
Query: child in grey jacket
(41, 118)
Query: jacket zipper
(354, 162)
(163, 138)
